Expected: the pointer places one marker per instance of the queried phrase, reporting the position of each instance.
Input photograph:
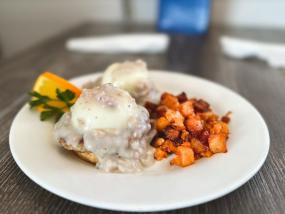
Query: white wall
(26, 22)
(257, 13)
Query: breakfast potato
(208, 116)
(220, 127)
(217, 143)
(170, 101)
(194, 124)
(157, 142)
(184, 156)
(159, 154)
(161, 123)
(175, 118)
(187, 108)
(168, 146)
(198, 147)
(206, 154)
(187, 128)
(184, 135)
(186, 144)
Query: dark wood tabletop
(263, 86)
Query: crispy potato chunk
(187, 108)
(159, 154)
(207, 154)
(197, 146)
(168, 146)
(220, 127)
(217, 143)
(184, 157)
(161, 123)
(187, 127)
(186, 144)
(175, 117)
(194, 124)
(170, 101)
(208, 116)
(184, 135)
(158, 142)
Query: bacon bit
(226, 118)
(182, 97)
(171, 133)
(201, 106)
(161, 110)
(204, 136)
(151, 107)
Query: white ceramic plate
(161, 187)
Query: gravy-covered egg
(106, 123)
(126, 75)
(104, 107)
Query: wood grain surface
(263, 86)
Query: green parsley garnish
(38, 100)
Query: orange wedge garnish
(47, 83)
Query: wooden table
(261, 85)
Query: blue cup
(184, 16)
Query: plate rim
(160, 207)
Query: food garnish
(187, 128)
(52, 96)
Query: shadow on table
(1, 48)
(185, 53)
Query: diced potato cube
(217, 143)
(170, 101)
(158, 142)
(207, 154)
(175, 117)
(168, 146)
(184, 156)
(161, 123)
(197, 146)
(194, 124)
(159, 154)
(184, 135)
(187, 108)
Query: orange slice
(47, 83)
